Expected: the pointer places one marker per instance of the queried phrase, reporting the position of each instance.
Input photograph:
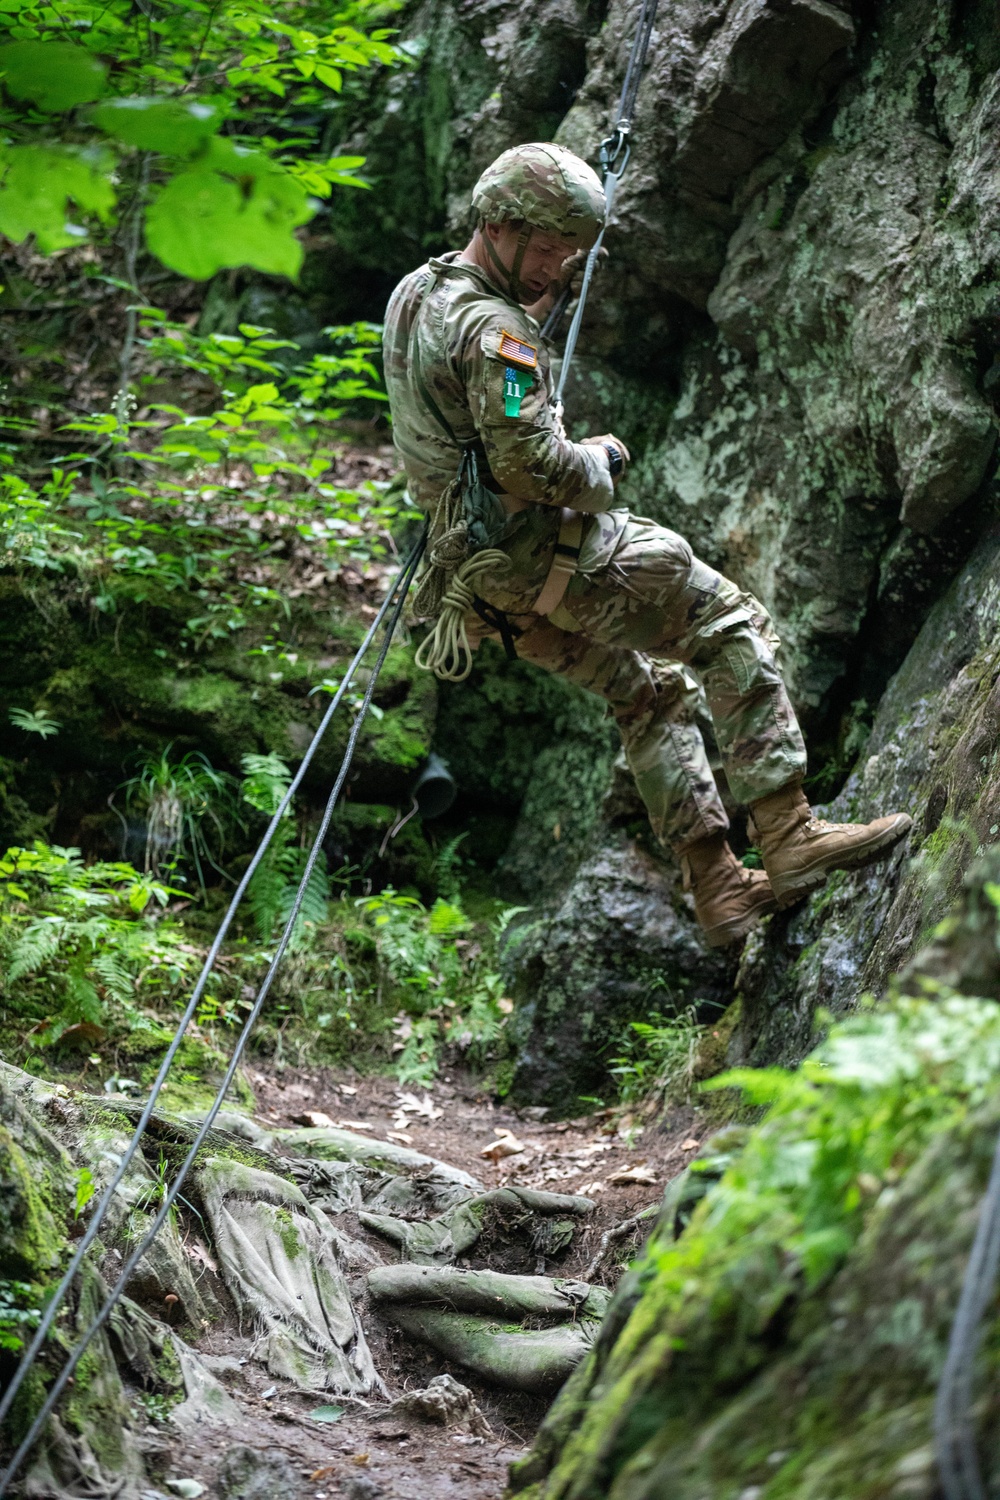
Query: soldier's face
(543, 257)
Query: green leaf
(327, 1413)
(53, 75)
(234, 208)
(39, 184)
(177, 127)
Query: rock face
(797, 336)
(619, 946)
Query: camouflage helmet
(546, 186)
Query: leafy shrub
(659, 1061)
(18, 1314)
(78, 941)
(172, 124)
(838, 1136)
(449, 994)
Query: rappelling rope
(397, 593)
(613, 154)
(954, 1428)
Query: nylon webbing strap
(500, 621)
(564, 563)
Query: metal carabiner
(614, 146)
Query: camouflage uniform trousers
(653, 606)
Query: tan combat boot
(800, 850)
(728, 898)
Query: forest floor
(363, 1454)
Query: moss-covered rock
(786, 1340)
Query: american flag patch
(517, 352)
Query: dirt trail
(362, 1454)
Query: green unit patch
(515, 385)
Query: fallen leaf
(324, 1473)
(327, 1414)
(83, 1034)
(355, 1125)
(345, 1088)
(590, 1189)
(188, 1489)
(690, 1144)
(409, 1104)
(360, 1459)
(639, 1173)
(197, 1252)
(314, 1118)
(400, 1136)
(506, 1144)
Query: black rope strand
(636, 65)
(614, 156)
(954, 1428)
(398, 591)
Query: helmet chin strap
(511, 274)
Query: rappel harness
(463, 544)
(468, 516)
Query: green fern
(112, 970)
(82, 1002)
(273, 889)
(265, 895)
(38, 945)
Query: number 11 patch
(516, 384)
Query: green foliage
(448, 990)
(275, 883)
(838, 1137)
(190, 524)
(266, 779)
(176, 130)
(273, 889)
(18, 1313)
(39, 185)
(34, 722)
(86, 1187)
(76, 941)
(182, 801)
(659, 1060)
(850, 1120)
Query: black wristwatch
(616, 462)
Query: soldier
(528, 545)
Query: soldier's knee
(739, 658)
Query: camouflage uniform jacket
(443, 329)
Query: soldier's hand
(571, 271)
(606, 439)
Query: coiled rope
(395, 599)
(446, 650)
(954, 1427)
